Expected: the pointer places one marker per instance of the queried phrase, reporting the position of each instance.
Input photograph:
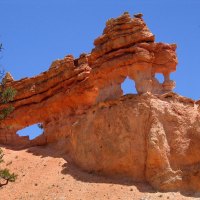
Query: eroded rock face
(143, 137)
(152, 136)
(70, 86)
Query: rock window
(128, 86)
(159, 77)
(32, 131)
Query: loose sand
(44, 174)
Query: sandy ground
(44, 174)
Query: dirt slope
(45, 174)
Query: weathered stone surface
(148, 138)
(152, 136)
(70, 86)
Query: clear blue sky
(36, 32)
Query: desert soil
(44, 174)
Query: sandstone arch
(128, 86)
(70, 86)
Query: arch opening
(128, 86)
(31, 131)
(159, 77)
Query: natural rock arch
(32, 131)
(128, 86)
(70, 86)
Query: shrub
(5, 175)
(8, 95)
(6, 111)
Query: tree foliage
(6, 95)
(5, 175)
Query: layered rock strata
(70, 86)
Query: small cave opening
(159, 77)
(128, 86)
(32, 131)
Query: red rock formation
(144, 137)
(126, 48)
(153, 136)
